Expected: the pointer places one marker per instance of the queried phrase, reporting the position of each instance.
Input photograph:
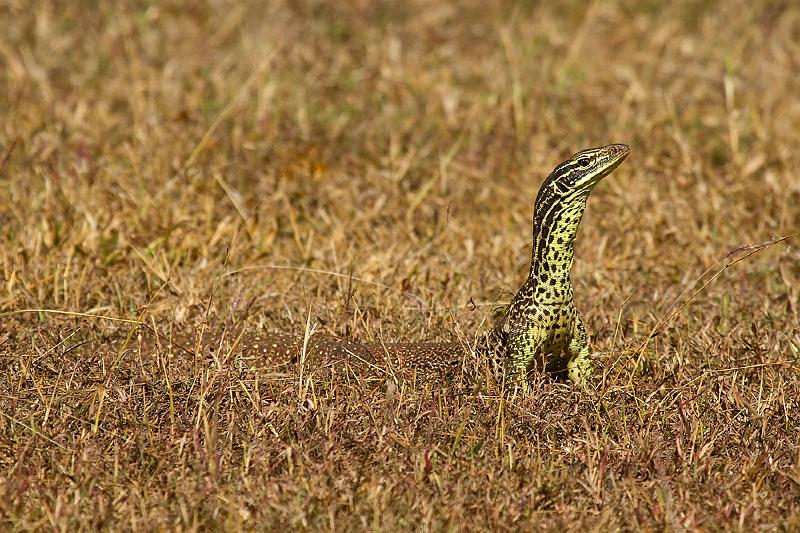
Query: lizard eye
(584, 162)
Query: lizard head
(578, 175)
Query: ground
(369, 169)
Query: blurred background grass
(151, 153)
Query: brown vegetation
(371, 170)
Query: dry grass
(152, 153)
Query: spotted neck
(555, 227)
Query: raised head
(562, 200)
(578, 175)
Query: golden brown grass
(174, 162)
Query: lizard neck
(555, 227)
